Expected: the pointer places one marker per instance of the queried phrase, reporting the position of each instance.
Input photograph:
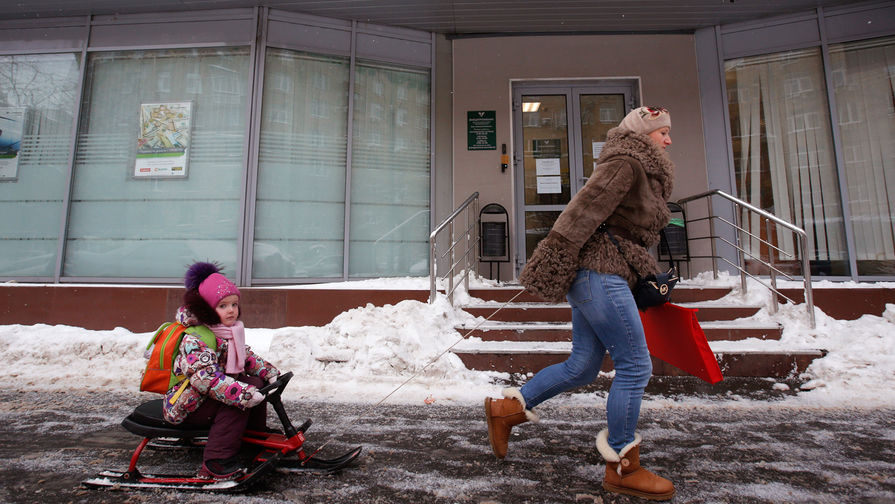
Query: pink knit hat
(215, 288)
(645, 120)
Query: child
(222, 388)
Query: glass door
(559, 132)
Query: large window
(390, 173)
(133, 146)
(863, 76)
(300, 202)
(783, 156)
(122, 225)
(38, 98)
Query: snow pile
(400, 353)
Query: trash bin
(493, 236)
(673, 244)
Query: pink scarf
(236, 339)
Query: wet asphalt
(740, 445)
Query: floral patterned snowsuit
(204, 368)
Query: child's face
(228, 310)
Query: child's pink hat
(215, 288)
(211, 284)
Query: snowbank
(400, 353)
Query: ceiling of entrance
(466, 17)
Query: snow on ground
(401, 353)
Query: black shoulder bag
(651, 290)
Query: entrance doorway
(558, 132)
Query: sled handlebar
(277, 385)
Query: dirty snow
(401, 353)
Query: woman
(626, 195)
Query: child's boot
(222, 469)
(625, 475)
(502, 416)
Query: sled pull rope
(414, 375)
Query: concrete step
(682, 293)
(546, 312)
(531, 357)
(562, 331)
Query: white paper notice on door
(597, 148)
(546, 166)
(549, 185)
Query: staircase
(529, 334)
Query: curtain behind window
(38, 96)
(390, 173)
(300, 202)
(864, 85)
(783, 155)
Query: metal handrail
(469, 236)
(800, 234)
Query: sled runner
(278, 451)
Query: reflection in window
(390, 173)
(38, 97)
(783, 156)
(865, 97)
(300, 202)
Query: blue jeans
(604, 317)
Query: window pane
(390, 173)
(37, 103)
(545, 137)
(783, 156)
(122, 226)
(864, 85)
(300, 203)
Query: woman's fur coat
(629, 189)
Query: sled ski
(317, 465)
(135, 480)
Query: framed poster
(12, 125)
(163, 147)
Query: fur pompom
(198, 272)
(199, 309)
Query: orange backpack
(165, 343)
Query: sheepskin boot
(503, 415)
(624, 474)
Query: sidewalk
(715, 450)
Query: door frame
(572, 89)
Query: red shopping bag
(673, 334)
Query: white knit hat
(645, 120)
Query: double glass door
(559, 131)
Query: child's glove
(257, 398)
(273, 377)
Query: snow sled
(278, 451)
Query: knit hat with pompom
(211, 284)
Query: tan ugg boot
(624, 474)
(502, 415)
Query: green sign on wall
(481, 130)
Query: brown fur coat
(629, 188)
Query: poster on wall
(163, 147)
(12, 124)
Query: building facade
(295, 148)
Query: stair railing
(770, 221)
(468, 237)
